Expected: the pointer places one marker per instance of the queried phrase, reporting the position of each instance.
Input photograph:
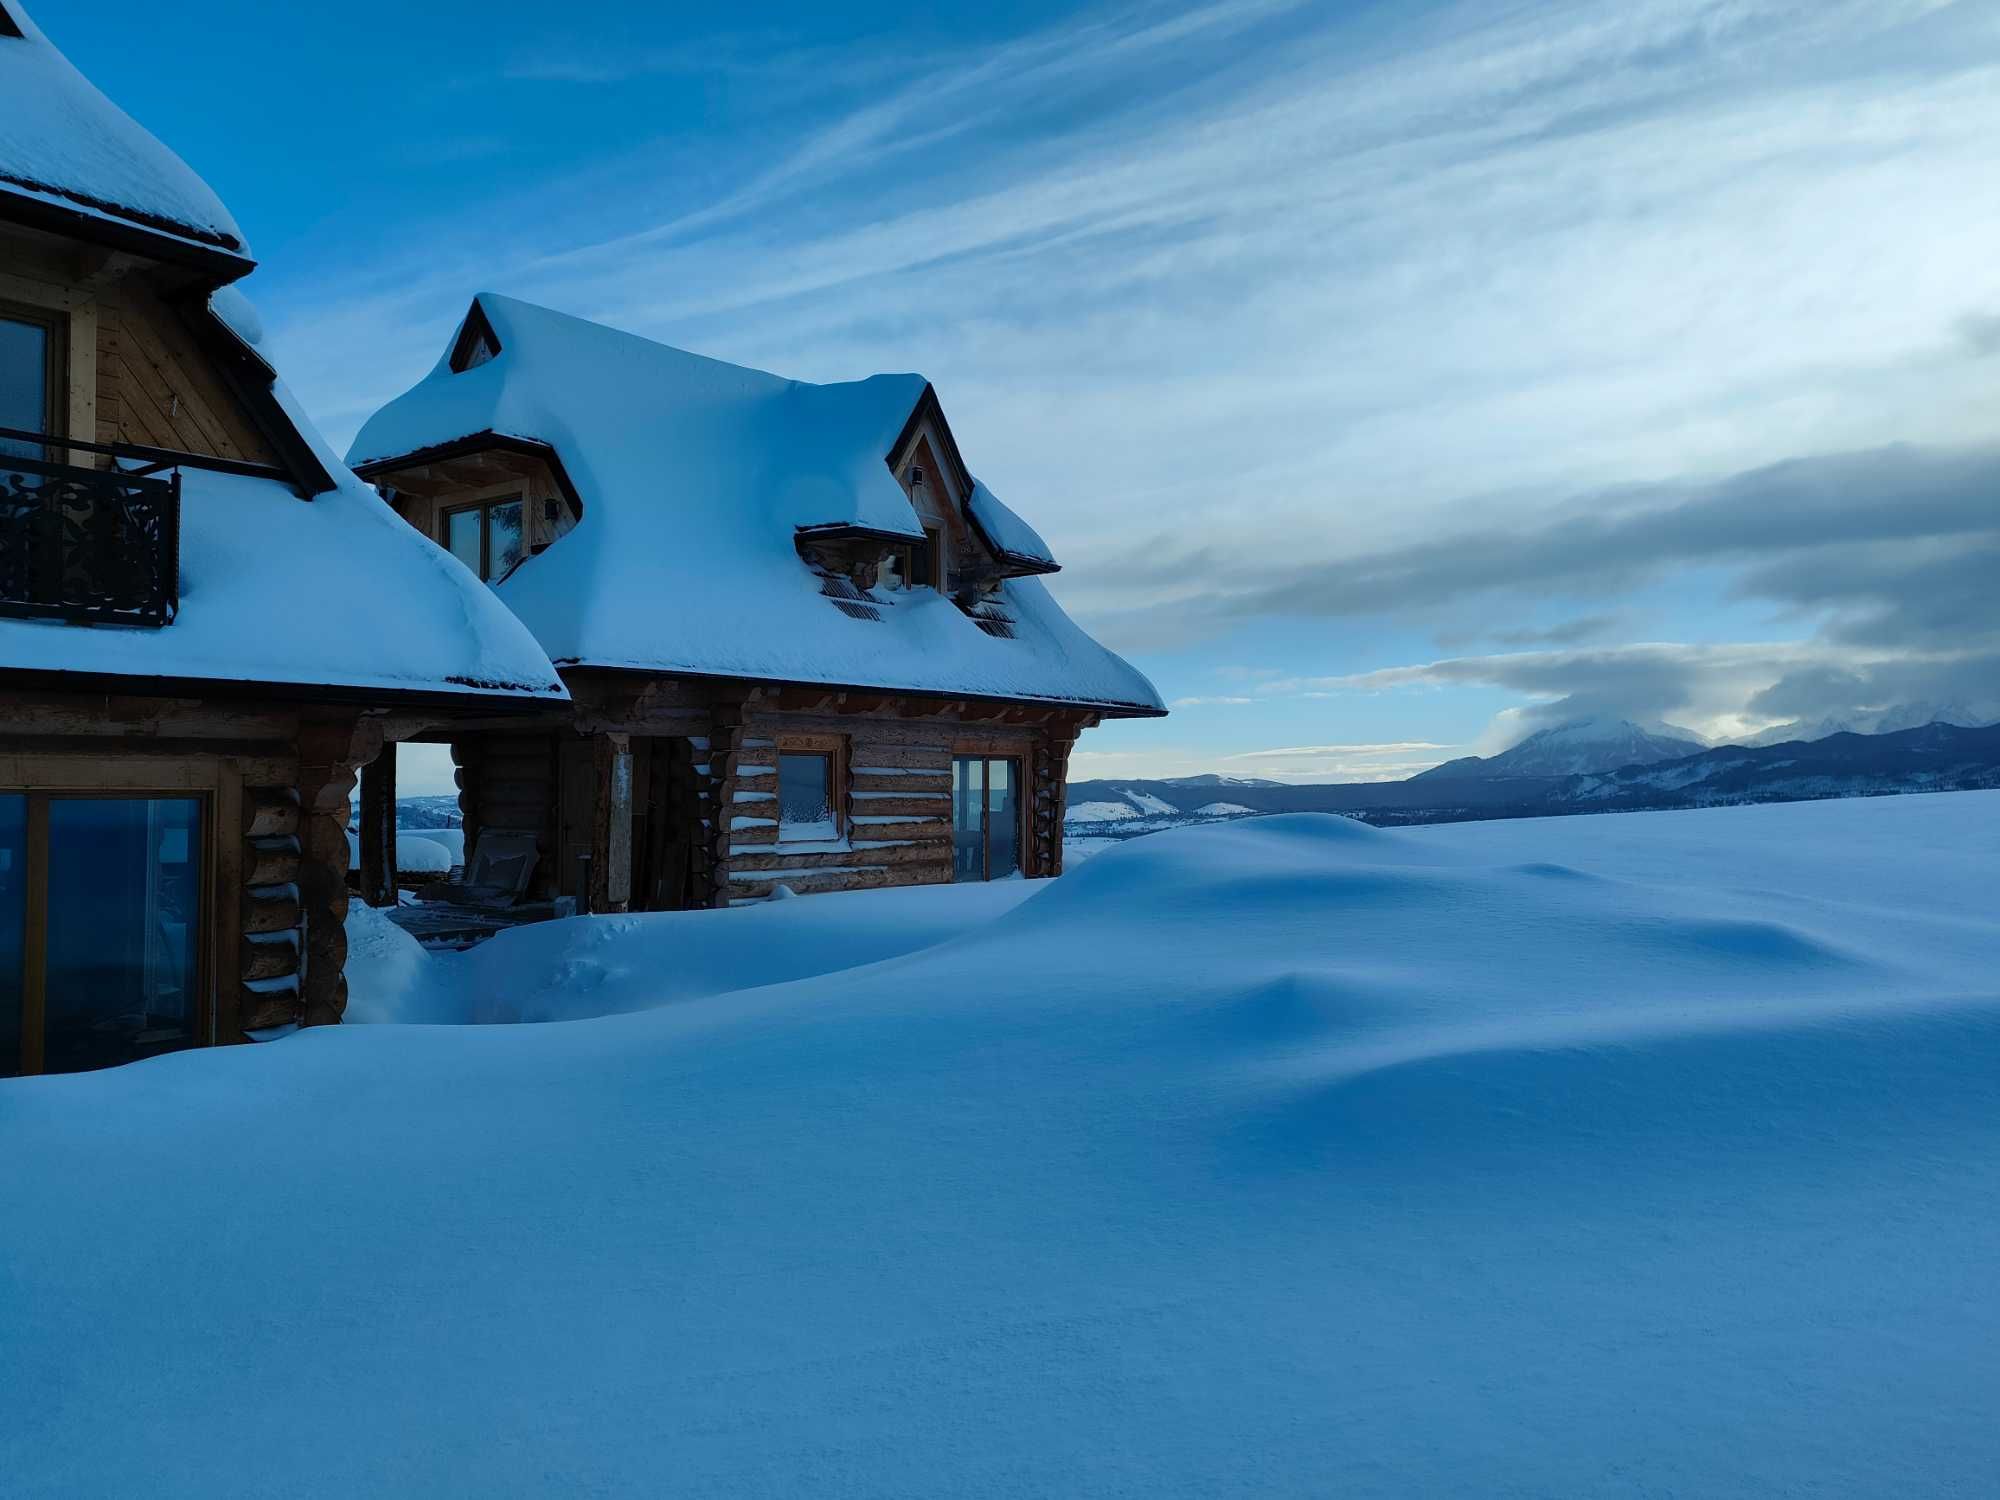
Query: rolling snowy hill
(1938, 757)
(1586, 1156)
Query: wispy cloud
(1329, 314)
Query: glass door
(100, 929)
(985, 817)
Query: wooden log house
(804, 646)
(186, 692)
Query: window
(30, 366)
(985, 817)
(100, 929)
(810, 785)
(920, 564)
(488, 537)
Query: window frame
(220, 795)
(986, 755)
(834, 748)
(485, 509)
(54, 322)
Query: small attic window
(476, 344)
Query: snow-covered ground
(1654, 1154)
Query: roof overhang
(459, 696)
(566, 665)
(217, 259)
(485, 441)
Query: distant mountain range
(1935, 757)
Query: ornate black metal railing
(93, 546)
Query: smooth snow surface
(427, 625)
(1655, 1154)
(63, 141)
(1008, 532)
(695, 477)
(582, 967)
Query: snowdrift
(1656, 1153)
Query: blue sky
(1390, 378)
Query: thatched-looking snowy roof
(697, 478)
(65, 146)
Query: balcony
(87, 546)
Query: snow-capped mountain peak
(1875, 721)
(1578, 747)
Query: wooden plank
(226, 905)
(270, 811)
(35, 960)
(378, 828)
(276, 912)
(611, 832)
(915, 828)
(818, 884)
(870, 805)
(929, 852)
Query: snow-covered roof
(695, 478)
(1009, 535)
(333, 592)
(62, 142)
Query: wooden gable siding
(156, 386)
(944, 506)
(134, 371)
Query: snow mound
(1223, 810)
(1565, 1156)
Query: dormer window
(476, 344)
(920, 565)
(486, 537)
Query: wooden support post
(611, 826)
(331, 751)
(378, 829)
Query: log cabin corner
(187, 689)
(805, 647)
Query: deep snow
(1651, 1154)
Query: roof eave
(1080, 705)
(41, 208)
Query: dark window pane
(805, 797)
(1002, 820)
(923, 563)
(968, 838)
(13, 926)
(507, 542)
(24, 382)
(462, 536)
(124, 929)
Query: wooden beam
(378, 828)
(611, 826)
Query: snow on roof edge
(66, 143)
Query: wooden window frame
(55, 363)
(485, 508)
(1019, 757)
(218, 786)
(834, 748)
